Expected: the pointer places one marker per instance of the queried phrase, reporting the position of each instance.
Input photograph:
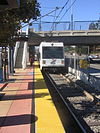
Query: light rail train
(51, 56)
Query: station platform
(26, 105)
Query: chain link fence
(66, 25)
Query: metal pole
(9, 54)
(75, 61)
(12, 60)
(4, 63)
(71, 17)
(1, 67)
(40, 28)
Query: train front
(53, 56)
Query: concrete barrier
(92, 80)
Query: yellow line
(47, 117)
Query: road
(93, 69)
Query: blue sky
(83, 10)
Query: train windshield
(53, 52)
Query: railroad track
(83, 106)
(88, 105)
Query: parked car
(94, 58)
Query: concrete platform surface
(26, 105)
(16, 104)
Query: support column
(15, 51)
(10, 60)
(25, 53)
(5, 65)
(1, 67)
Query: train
(51, 56)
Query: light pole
(71, 25)
(40, 27)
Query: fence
(66, 25)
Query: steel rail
(85, 92)
(81, 128)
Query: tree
(81, 50)
(95, 26)
(92, 26)
(11, 19)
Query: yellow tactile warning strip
(48, 120)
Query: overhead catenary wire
(64, 13)
(41, 17)
(67, 21)
(50, 7)
(62, 9)
(59, 14)
(67, 10)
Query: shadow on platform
(17, 97)
(17, 120)
(30, 86)
(41, 95)
(1, 95)
(40, 84)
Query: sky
(82, 10)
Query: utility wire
(41, 17)
(59, 14)
(50, 7)
(62, 9)
(67, 10)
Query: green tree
(81, 50)
(11, 19)
(95, 26)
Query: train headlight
(44, 62)
(62, 62)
